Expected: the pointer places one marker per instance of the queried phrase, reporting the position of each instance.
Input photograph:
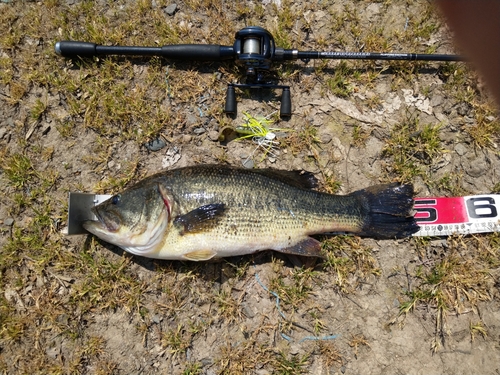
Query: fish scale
(207, 211)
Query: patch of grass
(234, 357)
(454, 284)
(356, 342)
(359, 136)
(413, 148)
(6, 72)
(291, 364)
(38, 109)
(330, 354)
(195, 368)
(228, 307)
(318, 324)
(351, 261)
(107, 284)
(177, 340)
(286, 18)
(332, 183)
(303, 139)
(339, 83)
(477, 329)
(485, 132)
(460, 83)
(295, 289)
(12, 325)
(19, 170)
(376, 41)
(450, 182)
(118, 182)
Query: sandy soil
(224, 315)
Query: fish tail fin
(389, 209)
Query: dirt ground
(76, 305)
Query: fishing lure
(259, 130)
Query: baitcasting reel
(254, 49)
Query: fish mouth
(106, 222)
(93, 226)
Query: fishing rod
(254, 48)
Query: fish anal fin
(200, 255)
(201, 218)
(308, 247)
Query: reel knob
(286, 103)
(230, 106)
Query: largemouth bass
(212, 211)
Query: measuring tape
(439, 216)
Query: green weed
(413, 148)
(291, 364)
(456, 283)
(350, 260)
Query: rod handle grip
(198, 52)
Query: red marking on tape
(442, 210)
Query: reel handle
(286, 101)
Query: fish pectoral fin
(308, 247)
(201, 218)
(200, 255)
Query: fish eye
(116, 199)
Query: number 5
(430, 213)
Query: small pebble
(156, 144)
(171, 9)
(460, 149)
(325, 138)
(213, 135)
(9, 221)
(248, 163)
(199, 131)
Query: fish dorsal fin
(201, 218)
(200, 255)
(307, 247)
(297, 178)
